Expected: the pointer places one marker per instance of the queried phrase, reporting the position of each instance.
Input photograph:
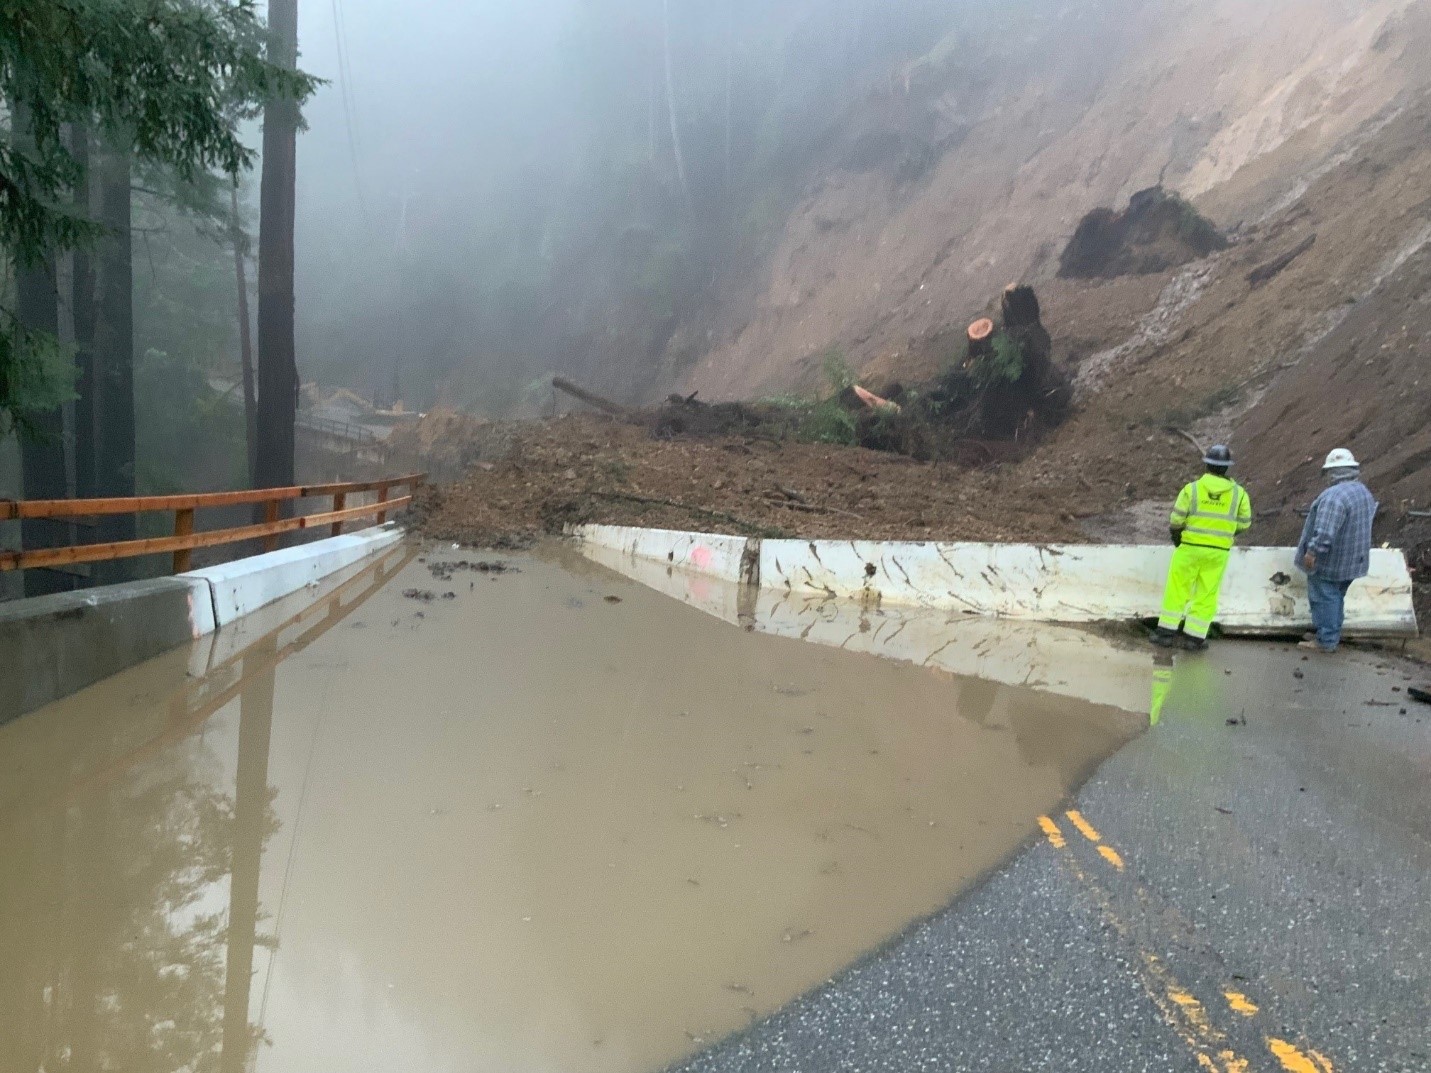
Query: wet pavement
(1242, 889)
(551, 821)
(558, 821)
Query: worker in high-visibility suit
(1206, 520)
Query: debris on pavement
(443, 571)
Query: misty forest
(483, 196)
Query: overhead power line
(350, 104)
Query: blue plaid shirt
(1338, 532)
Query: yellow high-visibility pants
(1162, 683)
(1194, 581)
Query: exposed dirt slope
(1233, 102)
(1333, 349)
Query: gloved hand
(1177, 535)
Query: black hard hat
(1218, 455)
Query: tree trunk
(277, 366)
(251, 802)
(250, 396)
(114, 355)
(671, 102)
(42, 456)
(82, 308)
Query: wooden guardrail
(185, 538)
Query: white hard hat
(1341, 458)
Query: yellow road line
(1237, 1002)
(1084, 827)
(1182, 1012)
(1055, 836)
(1294, 1061)
(1179, 1007)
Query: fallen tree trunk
(1263, 273)
(615, 409)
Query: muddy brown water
(524, 828)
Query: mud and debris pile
(596, 468)
(1157, 231)
(879, 461)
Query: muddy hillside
(1271, 292)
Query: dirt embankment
(587, 468)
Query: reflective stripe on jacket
(1211, 511)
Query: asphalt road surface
(1243, 888)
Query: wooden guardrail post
(382, 498)
(270, 515)
(183, 526)
(340, 501)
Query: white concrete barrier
(245, 585)
(52, 646)
(704, 553)
(1068, 583)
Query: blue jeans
(1328, 599)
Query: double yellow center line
(1187, 1016)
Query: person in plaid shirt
(1335, 548)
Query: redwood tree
(277, 365)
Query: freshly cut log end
(981, 338)
(875, 402)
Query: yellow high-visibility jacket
(1211, 511)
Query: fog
(490, 192)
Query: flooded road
(556, 821)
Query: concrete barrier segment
(1068, 583)
(52, 646)
(246, 585)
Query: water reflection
(1067, 661)
(557, 822)
(129, 910)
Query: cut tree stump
(981, 338)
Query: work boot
(1163, 638)
(1315, 646)
(1194, 644)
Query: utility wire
(293, 850)
(350, 105)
